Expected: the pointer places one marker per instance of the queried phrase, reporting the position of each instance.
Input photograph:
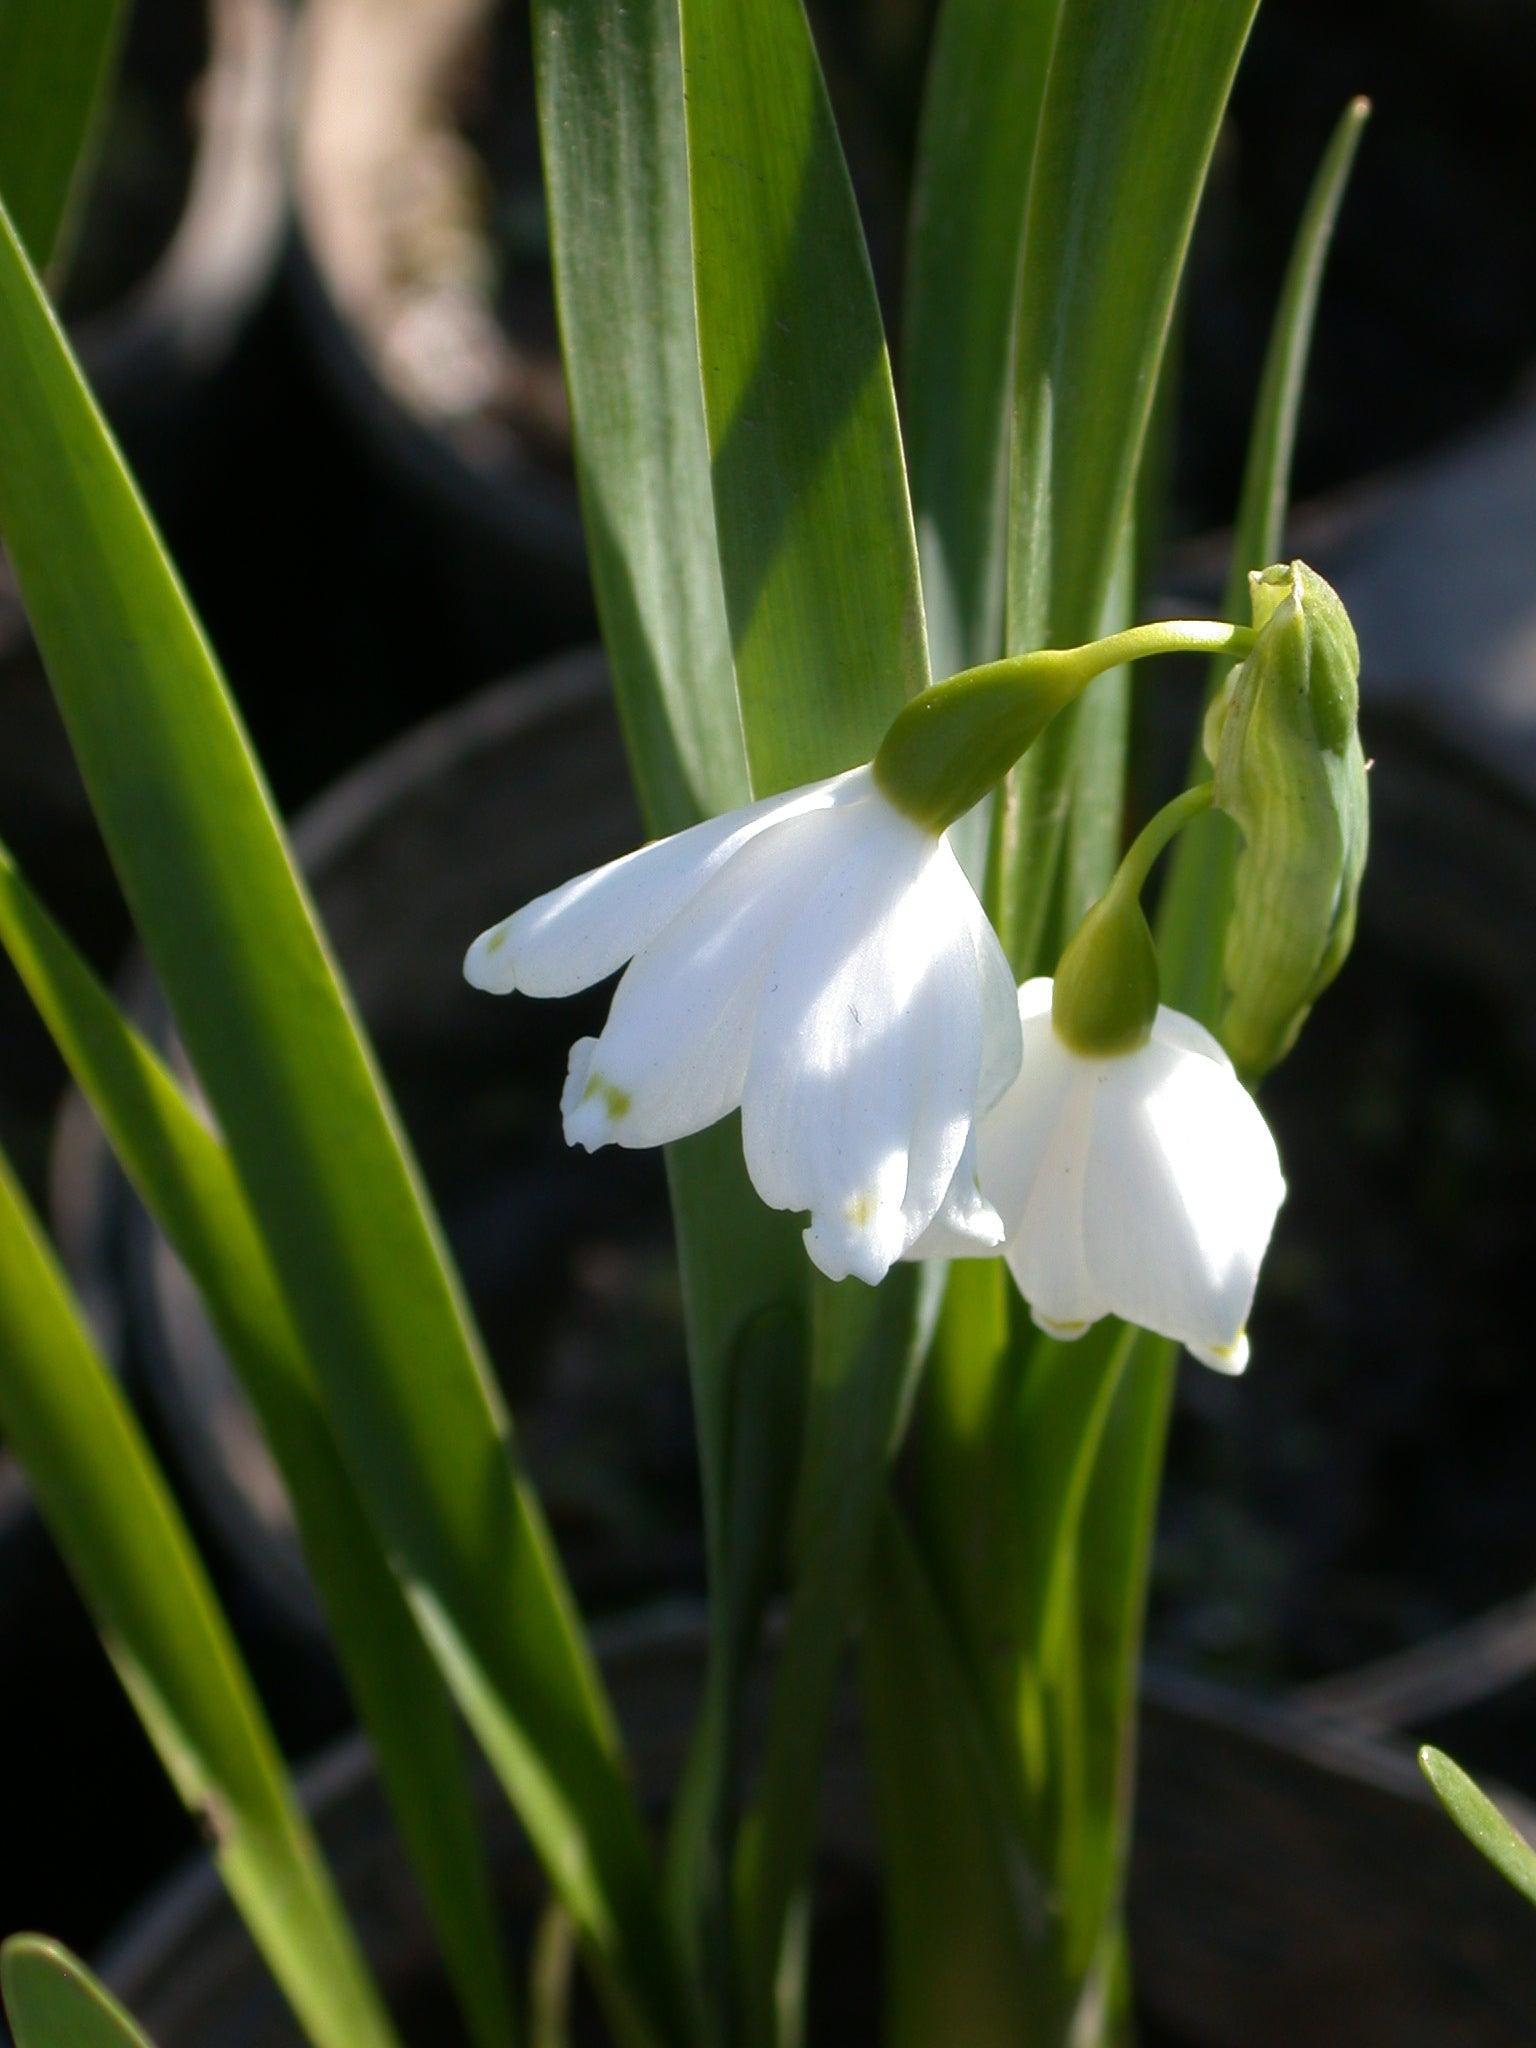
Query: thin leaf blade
(303, 1110)
(112, 1516)
(611, 114)
(1489, 1832)
(819, 565)
(981, 110)
(53, 2001)
(1134, 100)
(1116, 1542)
(616, 184)
(53, 82)
(184, 1177)
(811, 509)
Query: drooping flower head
(1131, 1167)
(1140, 1183)
(817, 960)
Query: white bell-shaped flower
(818, 960)
(1142, 1184)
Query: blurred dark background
(311, 286)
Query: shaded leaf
(53, 83)
(215, 897)
(110, 1513)
(186, 1181)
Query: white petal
(587, 928)
(1001, 1041)
(967, 1226)
(1036, 1169)
(1181, 1197)
(1231, 1359)
(1187, 1034)
(673, 1054)
(861, 1087)
(1064, 1333)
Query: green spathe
(1290, 772)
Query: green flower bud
(1105, 994)
(1290, 771)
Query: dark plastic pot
(421, 276)
(163, 302)
(164, 349)
(1287, 1887)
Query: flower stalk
(952, 744)
(1107, 983)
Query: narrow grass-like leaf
(1192, 914)
(865, 1350)
(960, 1954)
(611, 116)
(1116, 1542)
(1134, 100)
(1511, 1855)
(616, 182)
(110, 1513)
(335, 1194)
(981, 106)
(54, 78)
(183, 1174)
(53, 2001)
(820, 574)
(763, 1378)
(1135, 97)
(811, 508)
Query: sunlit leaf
(1509, 1852)
(53, 2001)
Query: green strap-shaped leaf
(865, 1352)
(53, 2001)
(811, 509)
(184, 1176)
(1192, 913)
(963, 1911)
(216, 899)
(822, 595)
(1134, 96)
(54, 77)
(1116, 1545)
(981, 107)
(1136, 93)
(1511, 1855)
(611, 117)
(112, 1516)
(616, 183)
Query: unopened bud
(1289, 770)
